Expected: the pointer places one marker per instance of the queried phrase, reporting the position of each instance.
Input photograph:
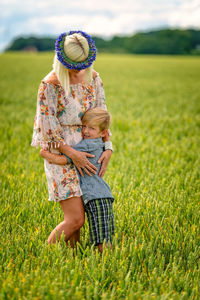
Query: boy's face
(91, 132)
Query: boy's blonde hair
(97, 117)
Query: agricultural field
(154, 175)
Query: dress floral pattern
(58, 119)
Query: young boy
(96, 196)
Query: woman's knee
(73, 212)
(74, 222)
(79, 222)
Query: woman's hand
(82, 163)
(104, 159)
(43, 152)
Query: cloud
(188, 15)
(103, 18)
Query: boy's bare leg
(100, 247)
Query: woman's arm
(79, 159)
(47, 129)
(105, 157)
(100, 102)
(53, 158)
(104, 160)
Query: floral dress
(58, 119)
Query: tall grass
(154, 176)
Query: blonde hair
(77, 49)
(97, 117)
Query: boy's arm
(53, 158)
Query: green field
(154, 175)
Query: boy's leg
(100, 247)
(101, 221)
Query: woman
(64, 95)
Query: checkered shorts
(101, 220)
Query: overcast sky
(102, 17)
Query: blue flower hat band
(68, 63)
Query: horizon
(43, 18)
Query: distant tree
(100, 43)
(41, 44)
(166, 41)
(162, 42)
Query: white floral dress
(58, 120)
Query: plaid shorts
(101, 220)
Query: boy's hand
(104, 159)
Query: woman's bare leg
(74, 238)
(74, 217)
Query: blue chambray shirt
(93, 187)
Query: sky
(103, 18)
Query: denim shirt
(93, 187)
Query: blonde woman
(71, 88)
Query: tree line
(165, 41)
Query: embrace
(72, 128)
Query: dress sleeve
(100, 95)
(47, 128)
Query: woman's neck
(76, 77)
